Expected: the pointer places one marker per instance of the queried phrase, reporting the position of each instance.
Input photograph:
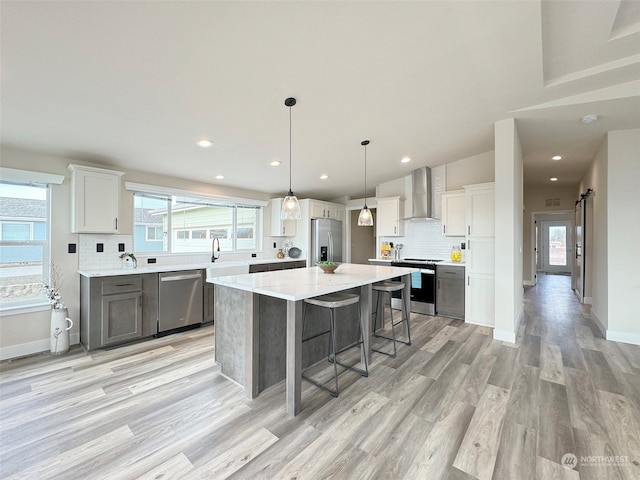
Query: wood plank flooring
(456, 404)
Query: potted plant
(129, 260)
(60, 321)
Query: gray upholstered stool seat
(333, 301)
(388, 287)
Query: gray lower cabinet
(450, 291)
(207, 299)
(117, 309)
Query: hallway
(589, 388)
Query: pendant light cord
(290, 149)
(365, 175)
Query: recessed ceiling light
(274, 163)
(589, 118)
(324, 177)
(405, 159)
(553, 179)
(204, 143)
(220, 177)
(556, 157)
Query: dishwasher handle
(174, 278)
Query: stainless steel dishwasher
(180, 299)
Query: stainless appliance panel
(326, 240)
(423, 286)
(180, 299)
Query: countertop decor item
(328, 267)
(290, 206)
(129, 260)
(295, 252)
(365, 219)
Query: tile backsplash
(90, 259)
(424, 239)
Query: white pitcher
(60, 326)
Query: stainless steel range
(423, 285)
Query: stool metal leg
(393, 331)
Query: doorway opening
(553, 243)
(362, 240)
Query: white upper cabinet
(319, 209)
(454, 214)
(389, 213)
(95, 199)
(279, 227)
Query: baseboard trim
(588, 301)
(598, 322)
(32, 348)
(624, 337)
(529, 283)
(504, 335)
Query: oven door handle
(428, 272)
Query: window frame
(33, 303)
(175, 197)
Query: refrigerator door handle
(330, 246)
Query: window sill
(24, 309)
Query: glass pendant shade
(365, 219)
(290, 208)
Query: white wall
(509, 227)
(595, 237)
(27, 333)
(471, 170)
(623, 226)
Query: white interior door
(557, 247)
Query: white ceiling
(134, 84)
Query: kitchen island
(259, 322)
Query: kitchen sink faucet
(213, 249)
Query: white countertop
(153, 268)
(300, 283)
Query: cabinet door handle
(467, 281)
(116, 223)
(444, 229)
(468, 244)
(468, 229)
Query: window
(188, 224)
(154, 234)
(24, 248)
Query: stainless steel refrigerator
(326, 240)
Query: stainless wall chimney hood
(420, 194)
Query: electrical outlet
(274, 245)
(254, 255)
(121, 247)
(151, 260)
(463, 246)
(99, 247)
(71, 248)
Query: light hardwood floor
(454, 405)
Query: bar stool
(333, 301)
(389, 287)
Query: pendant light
(365, 219)
(290, 206)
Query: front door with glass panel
(557, 248)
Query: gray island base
(259, 322)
